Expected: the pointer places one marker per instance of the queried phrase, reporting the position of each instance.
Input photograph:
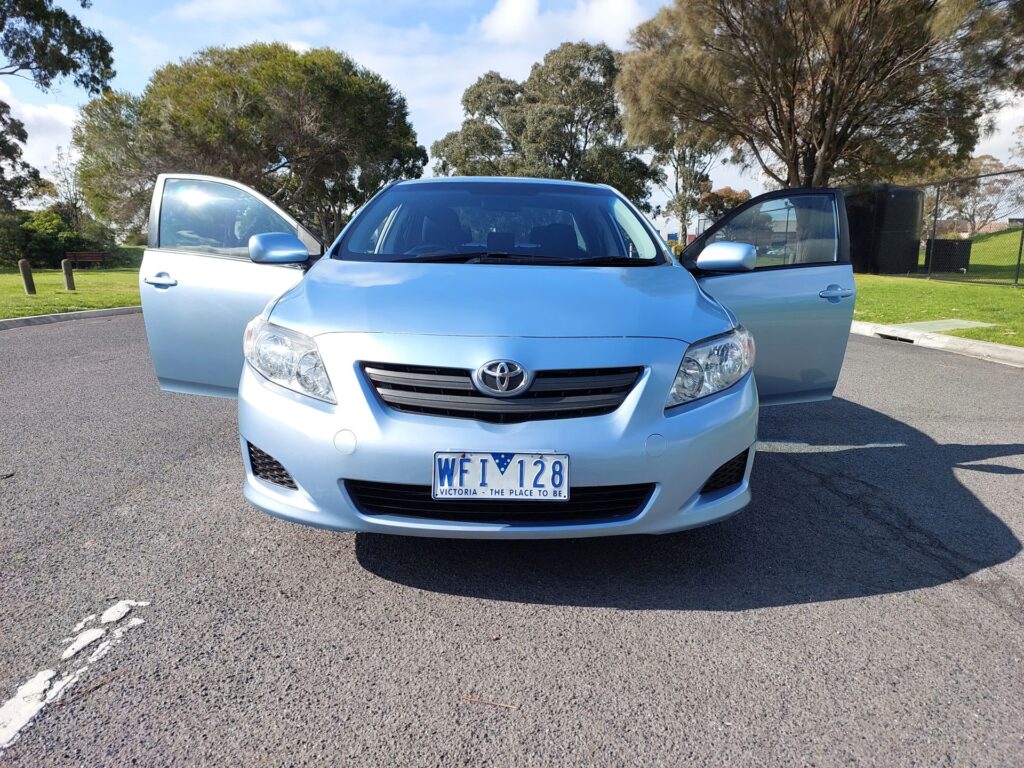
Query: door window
(208, 217)
(787, 231)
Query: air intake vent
(266, 467)
(727, 475)
(558, 394)
(595, 504)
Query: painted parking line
(49, 685)
(785, 446)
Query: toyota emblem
(501, 378)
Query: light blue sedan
(496, 358)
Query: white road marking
(18, 711)
(120, 609)
(85, 638)
(772, 446)
(81, 625)
(58, 688)
(115, 637)
(31, 697)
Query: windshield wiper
(454, 258)
(606, 261)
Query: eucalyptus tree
(811, 91)
(564, 121)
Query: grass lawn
(97, 289)
(893, 300)
(993, 257)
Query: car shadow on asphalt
(848, 502)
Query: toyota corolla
(506, 358)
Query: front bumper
(322, 445)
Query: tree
(66, 189)
(981, 201)
(688, 162)
(686, 150)
(43, 43)
(313, 131)
(812, 91)
(562, 122)
(716, 204)
(1000, 42)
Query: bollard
(26, 276)
(69, 275)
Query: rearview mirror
(277, 248)
(724, 256)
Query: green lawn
(893, 300)
(97, 289)
(993, 257)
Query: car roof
(501, 179)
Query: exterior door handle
(161, 280)
(836, 293)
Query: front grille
(595, 504)
(557, 394)
(266, 467)
(727, 475)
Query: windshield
(514, 222)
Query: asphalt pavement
(867, 608)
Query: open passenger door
(199, 288)
(798, 299)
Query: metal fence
(973, 229)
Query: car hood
(500, 300)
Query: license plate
(509, 476)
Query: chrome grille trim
(553, 394)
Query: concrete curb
(87, 314)
(982, 350)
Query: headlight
(711, 366)
(288, 358)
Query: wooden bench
(86, 257)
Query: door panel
(198, 286)
(798, 301)
(800, 337)
(195, 327)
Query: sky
(430, 50)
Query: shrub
(44, 236)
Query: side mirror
(277, 248)
(724, 256)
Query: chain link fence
(973, 229)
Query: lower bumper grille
(266, 467)
(727, 475)
(596, 504)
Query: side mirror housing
(724, 256)
(277, 248)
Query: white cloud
(48, 127)
(523, 22)
(511, 21)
